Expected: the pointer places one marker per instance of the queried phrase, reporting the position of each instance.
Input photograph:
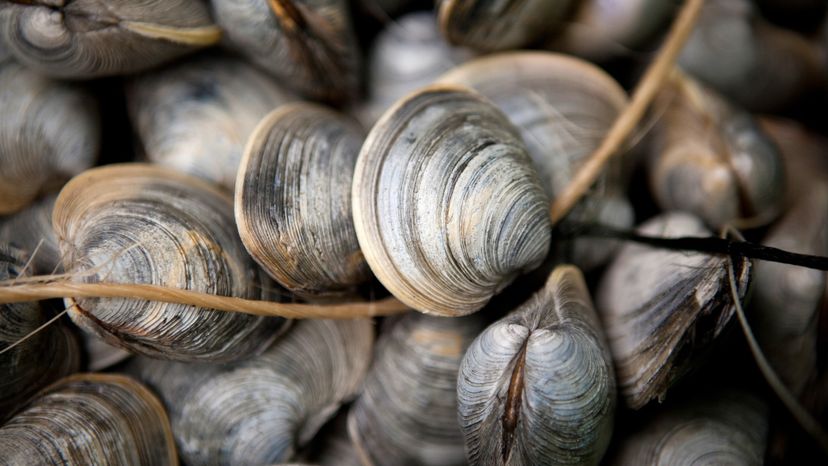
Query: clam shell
(537, 386)
(90, 38)
(293, 202)
(258, 411)
(447, 207)
(136, 223)
(662, 309)
(31, 230)
(90, 419)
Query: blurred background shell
(307, 44)
(31, 230)
(260, 410)
(136, 223)
(448, 250)
(197, 115)
(90, 419)
(663, 309)
(90, 38)
(50, 131)
(293, 200)
(537, 386)
(407, 411)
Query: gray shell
(447, 206)
(407, 412)
(662, 309)
(31, 230)
(137, 223)
(49, 132)
(258, 411)
(196, 116)
(92, 38)
(537, 387)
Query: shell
(308, 44)
(730, 427)
(50, 131)
(90, 419)
(537, 386)
(407, 412)
(90, 38)
(196, 116)
(490, 25)
(662, 309)
(408, 54)
(259, 410)
(293, 202)
(447, 207)
(31, 230)
(563, 108)
(39, 360)
(711, 159)
(136, 223)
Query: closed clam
(90, 38)
(49, 132)
(40, 359)
(711, 159)
(407, 412)
(307, 44)
(90, 419)
(293, 200)
(196, 116)
(447, 206)
(663, 309)
(537, 386)
(260, 410)
(136, 223)
(563, 107)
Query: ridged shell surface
(31, 230)
(137, 223)
(447, 206)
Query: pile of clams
(326, 154)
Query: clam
(728, 427)
(447, 206)
(563, 107)
(137, 223)
(31, 230)
(40, 359)
(90, 419)
(196, 116)
(293, 200)
(407, 412)
(537, 386)
(711, 159)
(49, 132)
(90, 38)
(489, 25)
(663, 309)
(259, 410)
(309, 45)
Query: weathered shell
(711, 159)
(662, 309)
(258, 411)
(537, 386)
(39, 360)
(31, 230)
(196, 116)
(90, 419)
(729, 427)
(407, 412)
(50, 131)
(307, 44)
(447, 206)
(491, 25)
(293, 200)
(408, 54)
(563, 108)
(136, 223)
(90, 38)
